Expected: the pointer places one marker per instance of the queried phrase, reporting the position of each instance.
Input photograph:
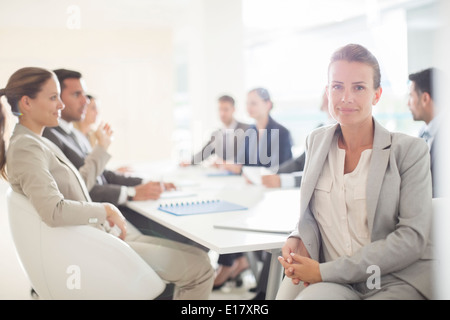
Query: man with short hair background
(421, 103)
(222, 142)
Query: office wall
(422, 36)
(130, 72)
(211, 40)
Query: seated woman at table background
(87, 126)
(38, 169)
(365, 199)
(267, 143)
(261, 150)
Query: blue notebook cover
(199, 207)
(221, 174)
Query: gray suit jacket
(40, 171)
(210, 147)
(399, 210)
(108, 186)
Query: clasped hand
(297, 263)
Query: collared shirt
(339, 204)
(232, 126)
(80, 140)
(428, 132)
(66, 126)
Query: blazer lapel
(380, 158)
(61, 157)
(20, 129)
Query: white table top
(268, 205)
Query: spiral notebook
(199, 207)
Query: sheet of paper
(176, 194)
(186, 183)
(254, 174)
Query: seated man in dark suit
(222, 142)
(111, 186)
(421, 102)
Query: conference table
(270, 215)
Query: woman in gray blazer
(366, 206)
(39, 170)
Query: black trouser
(228, 259)
(265, 257)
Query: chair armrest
(77, 262)
(83, 262)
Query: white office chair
(77, 262)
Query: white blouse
(339, 204)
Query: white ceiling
(95, 14)
(301, 14)
(136, 14)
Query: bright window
(289, 43)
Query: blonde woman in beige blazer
(365, 216)
(37, 169)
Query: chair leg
(261, 286)
(253, 261)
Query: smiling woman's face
(47, 105)
(351, 92)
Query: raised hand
(104, 135)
